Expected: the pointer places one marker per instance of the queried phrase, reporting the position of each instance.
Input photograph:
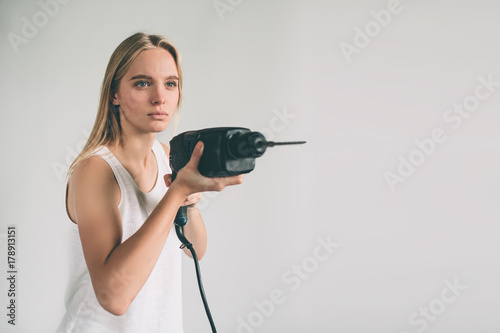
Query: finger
(222, 182)
(192, 199)
(168, 179)
(189, 203)
(235, 180)
(196, 155)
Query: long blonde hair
(107, 128)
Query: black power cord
(185, 243)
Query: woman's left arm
(195, 230)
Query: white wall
(402, 249)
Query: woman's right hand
(189, 180)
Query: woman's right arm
(119, 270)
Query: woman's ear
(113, 99)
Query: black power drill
(228, 151)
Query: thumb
(168, 179)
(196, 155)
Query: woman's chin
(160, 126)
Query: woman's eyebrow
(141, 76)
(147, 77)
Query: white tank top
(158, 306)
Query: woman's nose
(158, 97)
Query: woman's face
(148, 93)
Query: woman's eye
(171, 84)
(142, 84)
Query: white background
(360, 118)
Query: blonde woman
(125, 273)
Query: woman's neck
(135, 149)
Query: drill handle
(181, 218)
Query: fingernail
(199, 145)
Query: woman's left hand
(192, 200)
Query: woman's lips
(158, 115)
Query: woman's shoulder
(92, 178)
(92, 168)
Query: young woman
(125, 258)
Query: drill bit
(272, 143)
